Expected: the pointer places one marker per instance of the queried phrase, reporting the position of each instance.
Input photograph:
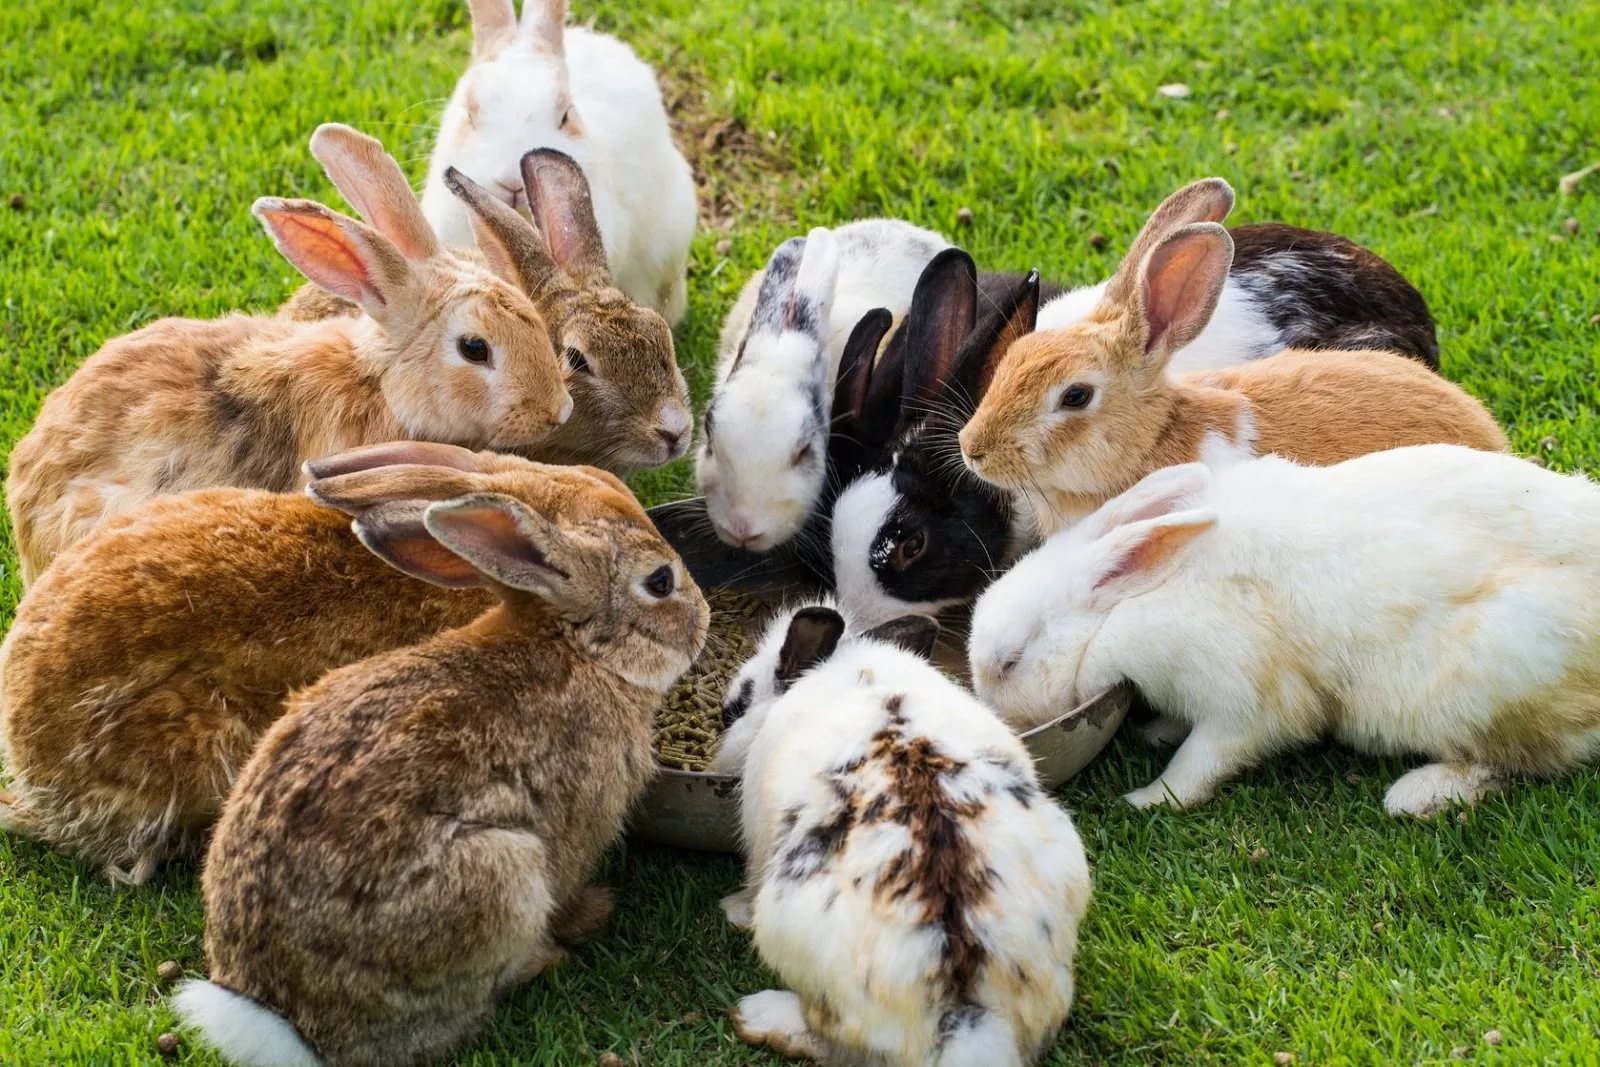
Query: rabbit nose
(673, 439)
(672, 426)
(566, 411)
(513, 192)
(741, 531)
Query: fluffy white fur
(756, 494)
(1432, 600)
(870, 955)
(242, 1031)
(512, 101)
(1238, 332)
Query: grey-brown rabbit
(417, 835)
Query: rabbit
(417, 834)
(630, 402)
(144, 665)
(761, 462)
(542, 84)
(1434, 600)
(1074, 416)
(1286, 288)
(911, 880)
(445, 350)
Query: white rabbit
(763, 453)
(911, 881)
(1435, 600)
(1287, 288)
(542, 84)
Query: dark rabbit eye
(1077, 396)
(909, 550)
(473, 349)
(802, 456)
(565, 115)
(577, 361)
(661, 582)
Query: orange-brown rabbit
(446, 350)
(1077, 415)
(146, 662)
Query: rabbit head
(763, 451)
(464, 356)
(1033, 631)
(918, 532)
(1077, 408)
(610, 580)
(515, 93)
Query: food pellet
(690, 719)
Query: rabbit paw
(1151, 796)
(739, 908)
(1435, 787)
(775, 1019)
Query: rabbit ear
(944, 307)
(811, 300)
(1012, 316)
(914, 633)
(1159, 493)
(512, 246)
(559, 198)
(396, 534)
(1180, 284)
(849, 437)
(1142, 555)
(345, 257)
(508, 543)
(358, 491)
(494, 25)
(391, 454)
(1207, 200)
(813, 634)
(372, 181)
(543, 22)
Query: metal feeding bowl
(700, 810)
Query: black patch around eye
(578, 361)
(734, 709)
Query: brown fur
(243, 401)
(1314, 407)
(410, 839)
(144, 665)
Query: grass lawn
(1291, 915)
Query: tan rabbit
(417, 835)
(630, 403)
(446, 350)
(1077, 415)
(143, 666)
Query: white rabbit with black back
(542, 84)
(762, 459)
(1433, 600)
(917, 890)
(1287, 288)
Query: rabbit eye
(472, 349)
(578, 362)
(909, 550)
(1077, 396)
(803, 456)
(661, 582)
(565, 115)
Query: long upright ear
(372, 181)
(1012, 316)
(1207, 200)
(944, 307)
(811, 301)
(1161, 492)
(914, 633)
(813, 634)
(359, 491)
(1180, 284)
(777, 284)
(1142, 555)
(559, 198)
(343, 256)
(391, 454)
(847, 442)
(508, 543)
(494, 25)
(543, 21)
(394, 532)
(515, 250)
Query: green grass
(133, 137)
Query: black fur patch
(734, 709)
(263, 448)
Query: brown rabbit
(445, 351)
(417, 835)
(1076, 415)
(630, 403)
(143, 666)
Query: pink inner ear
(323, 252)
(1177, 289)
(423, 556)
(1153, 551)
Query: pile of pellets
(690, 719)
